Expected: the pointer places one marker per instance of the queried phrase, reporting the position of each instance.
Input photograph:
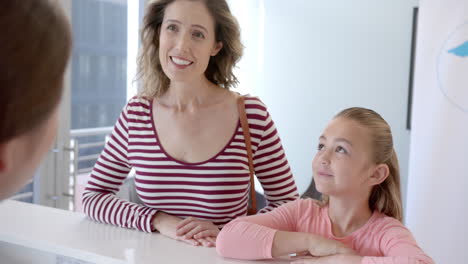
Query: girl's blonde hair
(386, 196)
(220, 67)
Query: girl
(359, 217)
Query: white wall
(437, 206)
(250, 15)
(320, 57)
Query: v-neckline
(160, 145)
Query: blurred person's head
(35, 46)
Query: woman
(182, 134)
(34, 49)
(359, 217)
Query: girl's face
(342, 166)
(187, 40)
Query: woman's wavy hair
(220, 67)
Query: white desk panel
(53, 234)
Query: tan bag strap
(252, 209)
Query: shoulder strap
(252, 209)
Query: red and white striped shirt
(215, 190)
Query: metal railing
(84, 154)
(26, 194)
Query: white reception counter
(37, 234)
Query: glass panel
(99, 62)
(99, 81)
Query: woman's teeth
(180, 61)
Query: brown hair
(220, 67)
(34, 50)
(385, 197)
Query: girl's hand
(320, 246)
(310, 260)
(334, 259)
(285, 243)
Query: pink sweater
(382, 239)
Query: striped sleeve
(112, 167)
(270, 163)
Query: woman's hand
(201, 230)
(167, 224)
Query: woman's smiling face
(187, 40)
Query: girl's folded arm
(398, 246)
(252, 237)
